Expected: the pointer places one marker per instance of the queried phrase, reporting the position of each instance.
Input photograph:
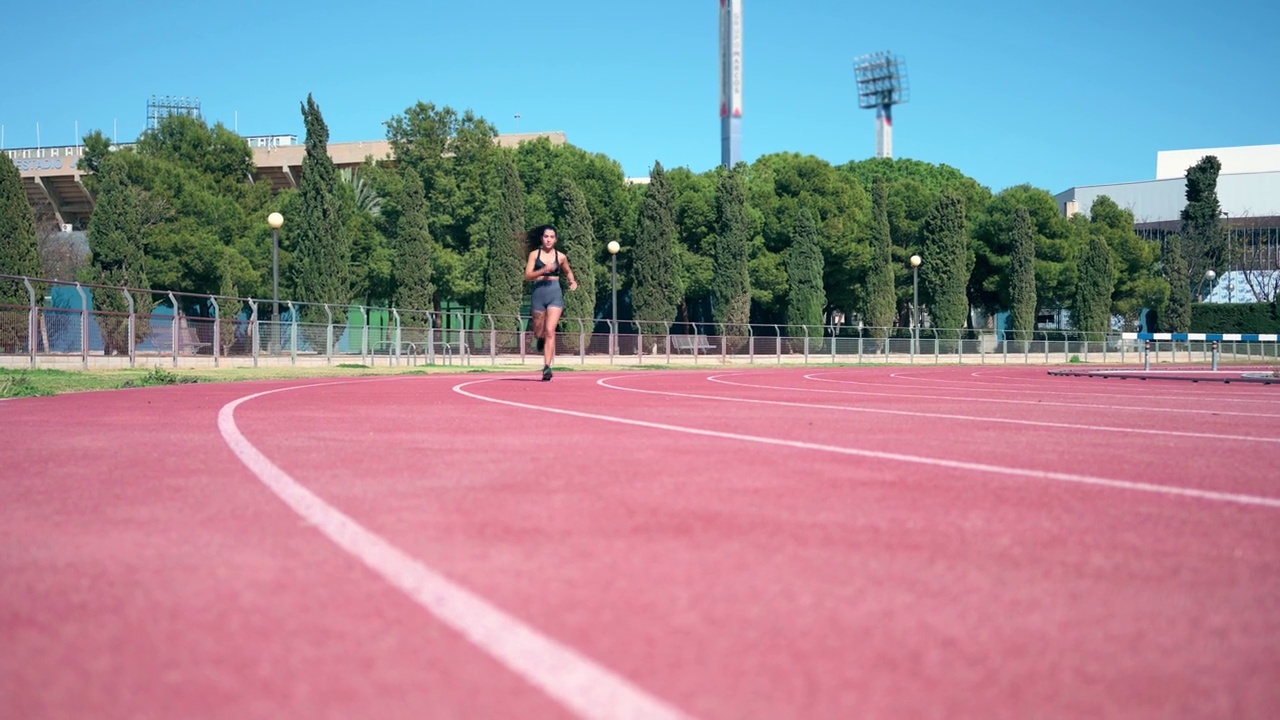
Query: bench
(189, 342)
(691, 344)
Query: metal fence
(78, 324)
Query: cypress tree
(322, 246)
(1204, 242)
(731, 281)
(119, 258)
(1022, 276)
(415, 290)
(507, 247)
(806, 296)
(655, 290)
(946, 264)
(228, 305)
(1177, 315)
(578, 237)
(19, 254)
(881, 293)
(1095, 281)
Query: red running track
(819, 543)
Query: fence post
(328, 335)
(217, 330)
(396, 315)
(1146, 355)
(133, 326)
(173, 328)
(364, 334)
(493, 338)
(293, 333)
(253, 326)
(84, 327)
(582, 342)
(32, 321)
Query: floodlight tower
(163, 106)
(882, 83)
(730, 82)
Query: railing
(68, 324)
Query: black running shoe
(546, 373)
(542, 342)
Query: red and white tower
(730, 82)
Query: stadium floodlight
(160, 107)
(882, 83)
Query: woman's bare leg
(549, 332)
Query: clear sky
(1055, 94)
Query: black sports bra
(538, 264)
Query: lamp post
(915, 303)
(1209, 276)
(614, 247)
(276, 221)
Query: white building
(1248, 191)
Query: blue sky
(1055, 94)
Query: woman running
(544, 268)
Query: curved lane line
(913, 396)
(1236, 498)
(581, 685)
(945, 416)
(1003, 387)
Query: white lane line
(1029, 385)
(942, 416)
(584, 687)
(914, 396)
(879, 455)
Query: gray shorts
(547, 293)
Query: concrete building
(1248, 191)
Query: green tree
(881, 292)
(1177, 312)
(806, 297)
(780, 186)
(229, 306)
(414, 289)
(1204, 240)
(504, 273)
(322, 247)
(119, 258)
(1091, 311)
(19, 255)
(654, 289)
(731, 280)
(455, 155)
(543, 169)
(1138, 282)
(947, 262)
(1022, 276)
(578, 237)
(217, 153)
(1056, 250)
(696, 227)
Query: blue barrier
(1209, 337)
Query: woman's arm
(564, 263)
(529, 273)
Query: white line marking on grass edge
(880, 455)
(586, 688)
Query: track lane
(634, 544)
